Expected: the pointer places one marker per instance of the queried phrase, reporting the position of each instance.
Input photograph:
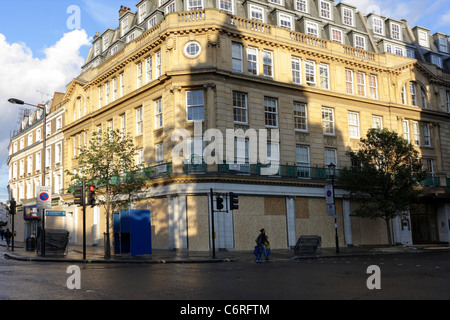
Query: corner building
(321, 74)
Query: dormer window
(443, 44)
(423, 38)
(124, 24)
(360, 42)
(325, 10)
(151, 22)
(301, 5)
(347, 17)
(97, 48)
(142, 12)
(396, 31)
(130, 37)
(377, 26)
(105, 41)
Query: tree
(108, 162)
(385, 176)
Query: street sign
(44, 197)
(329, 194)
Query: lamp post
(332, 168)
(44, 143)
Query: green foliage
(385, 176)
(108, 162)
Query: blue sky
(44, 43)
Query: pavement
(95, 254)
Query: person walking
(262, 242)
(8, 236)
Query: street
(401, 276)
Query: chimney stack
(122, 11)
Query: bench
(307, 244)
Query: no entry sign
(44, 197)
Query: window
(324, 76)
(301, 5)
(361, 83)
(159, 153)
(276, 2)
(296, 71)
(226, 5)
(310, 72)
(429, 166)
(388, 48)
(122, 84)
(30, 135)
(416, 133)
(100, 97)
(151, 22)
(271, 112)
(447, 97)
(328, 120)
(252, 61)
(410, 53)
(336, 35)
(158, 114)
(194, 5)
(267, 63)
(424, 98)
(403, 95)
(142, 11)
(107, 92)
(58, 153)
(194, 105)
(256, 13)
(192, 49)
(285, 21)
(241, 152)
(312, 29)
(353, 125)
(349, 81)
(377, 25)
(148, 73)
(423, 38)
(330, 156)
(436, 60)
(240, 107)
(171, 7)
(300, 117)
(124, 26)
(347, 16)
(114, 82)
(139, 121)
(443, 44)
(158, 64)
(122, 125)
(302, 155)
(412, 91)
(58, 126)
(325, 10)
(373, 86)
(139, 74)
(48, 157)
(398, 51)
(395, 31)
(236, 54)
(140, 157)
(405, 124)
(377, 122)
(360, 42)
(130, 37)
(426, 135)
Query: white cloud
(24, 77)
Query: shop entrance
(424, 224)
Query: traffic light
(219, 204)
(234, 201)
(91, 195)
(12, 207)
(79, 195)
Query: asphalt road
(400, 276)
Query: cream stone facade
(321, 80)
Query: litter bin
(30, 243)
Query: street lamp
(44, 142)
(332, 168)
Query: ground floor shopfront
(181, 218)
